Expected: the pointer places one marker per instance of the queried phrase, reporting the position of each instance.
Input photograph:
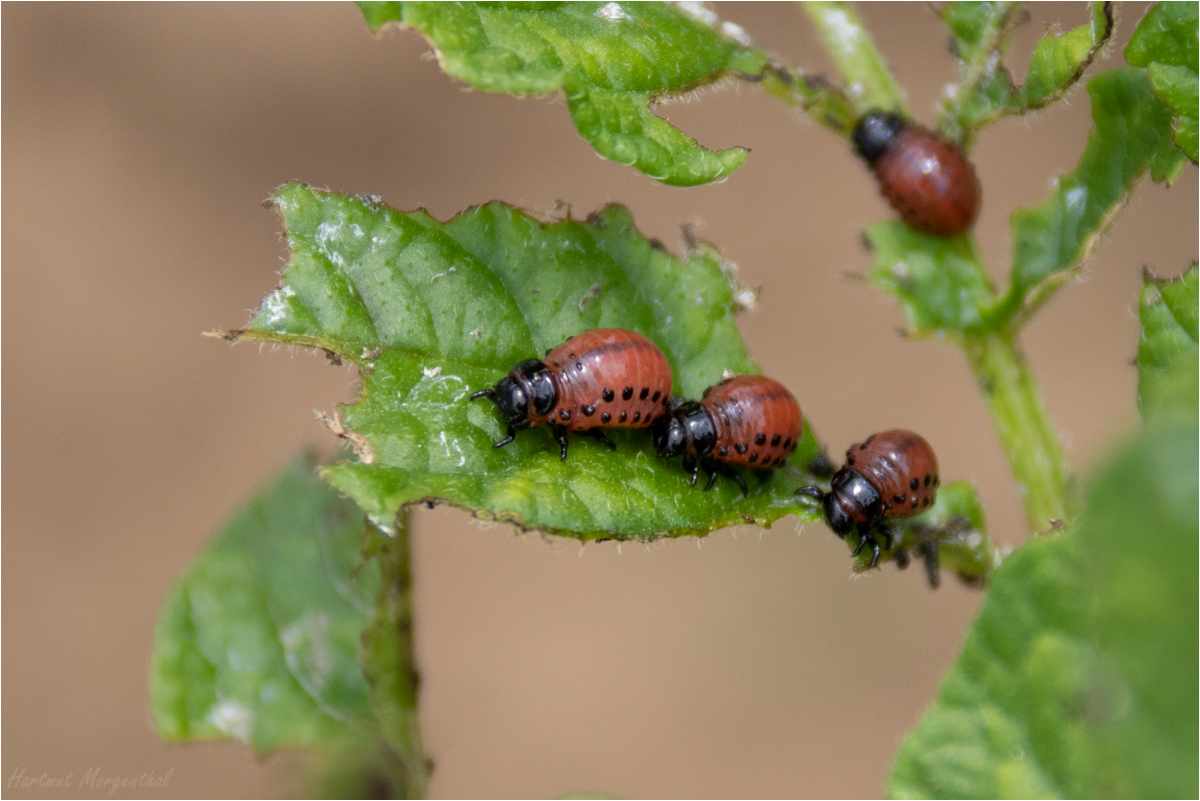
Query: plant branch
(389, 661)
(868, 80)
(1030, 441)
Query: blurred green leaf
(431, 312)
(985, 91)
(259, 640)
(938, 280)
(1168, 357)
(610, 60)
(1079, 677)
(1166, 43)
(1052, 240)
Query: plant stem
(390, 667)
(869, 82)
(1030, 441)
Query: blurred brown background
(138, 142)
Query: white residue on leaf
(327, 232)
(232, 718)
(727, 374)
(449, 444)
(746, 299)
(843, 34)
(308, 650)
(384, 522)
(431, 372)
(611, 12)
(699, 12)
(355, 229)
(736, 32)
(275, 304)
(1076, 197)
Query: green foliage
(1132, 134)
(431, 312)
(985, 91)
(1168, 356)
(1165, 43)
(1079, 677)
(611, 62)
(259, 639)
(941, 281)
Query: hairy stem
(1030, 441)
(869, 82)
(390, 667)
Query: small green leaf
(431, 312)
(1079, 677)
(1053, 239)
(1168, 35)
(938, 280)
(259, 639)
(1166, 43)
(1168, 356)
(611, 60)
(868, 79)
(985, 91)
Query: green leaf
(938, 280)
(985, 91)
(431, 312)
(1052, 240)
(1166, 43)
(259, 639)
(611, 61)
(1168, 357)
(1079, 677)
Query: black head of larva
(527, 384)
(851, 500)
(875, 132)
(687, 424)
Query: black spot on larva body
(722, 451)
(914, 503)
(775, 441)
(622, 417)
(637, 416)
(787, 443)
(588, 410)
(627, 393)
(850, 460)
(606, 417)
(924, 503)
(898, 498)
(753, 458)
(868, 442)
(578, 365)
(645, 393)
(657, 394)
(741, 447)
(887, 505)
(914, 484)
(937, 480)
(760, 439)
(564, 414)
(608, 395)
(862, 447)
